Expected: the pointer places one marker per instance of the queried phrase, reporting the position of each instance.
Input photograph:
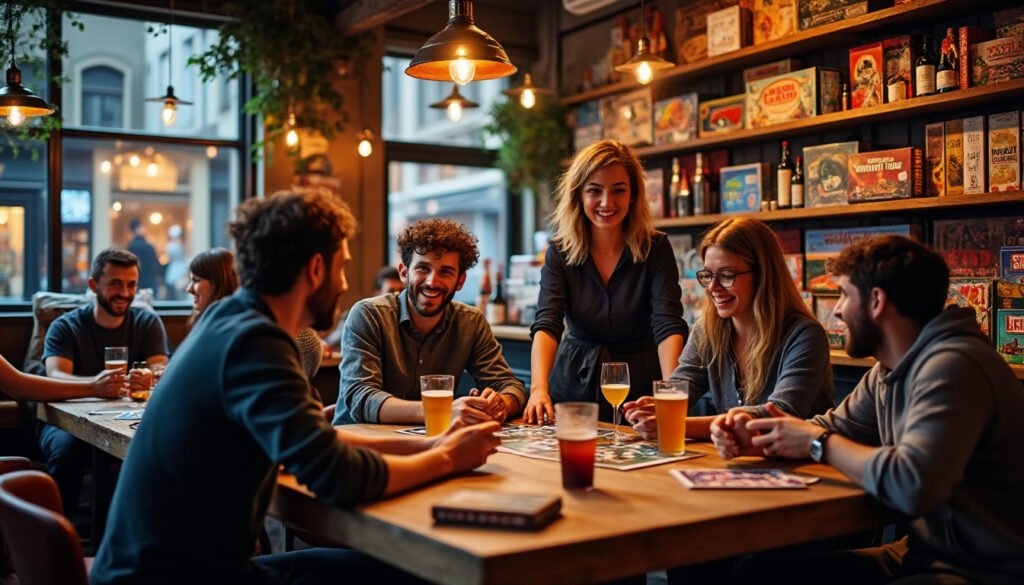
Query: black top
(642, 299)
(194, 488)
(77, 336)
(151, 272)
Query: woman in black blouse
(614, 281)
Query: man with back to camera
(932, 430)
(391, 340)
(234, 405)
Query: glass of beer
(141, 369)
(671, 400)
(615, 388)
(576, 430)
(116, 358)
(437, 392)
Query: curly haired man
(391, 340)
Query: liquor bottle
(496, 309)
(924, 69)
(673, 190)
(485, 288)
(684, 201)
(797, 187)
(845, 97)
(700, 188)
(784, 178)
(947, 73)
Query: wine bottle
(924, 69)
(797, 186)
(947, 73)
(699, 187)
(673, 190)
(485, 288)
(685, 200)
(784, 178)
(497, 308)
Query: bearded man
(391, 340)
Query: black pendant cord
(170, 48)
(10, 30)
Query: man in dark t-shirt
(74, 347)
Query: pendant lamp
(17, 102)
(461, 52)
(169, 113)
(644, 63)
(527, 93)
(455, 103)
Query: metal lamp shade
(460, 38)
(455, 97)
(16, 95)
(170, 98)
(644, 55)
(527, 84)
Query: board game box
(627, 117)
(975, 155)
(866, 70)
(812, 13)
(1010, 335)
(820, 246)
(691, 31)
(885, 174)
(1011, 264)
(743, 187)
(954, 157)
(976, 294)
(723, 115)
(935, 160)
(675, 119)
(774, 19)
(971, 246)
(1004, 151)
(997, 60)
(792, 96)
(835, 329)
(826, 173)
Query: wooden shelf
(839, 358)
(956, 100)
(833, 211)
(828, 35)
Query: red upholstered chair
(47, 548)
(7, 465)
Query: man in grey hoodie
(932, 430)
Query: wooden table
(633, 522)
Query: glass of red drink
(576, 430)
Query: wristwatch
(818, 446)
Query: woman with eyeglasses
(755, 342)
(611, 278)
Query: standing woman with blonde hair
(755, 342)
(614, 281)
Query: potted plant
(533, 144)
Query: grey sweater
(947, 419)
(799, 378)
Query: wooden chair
(7, 465)
(47, 549)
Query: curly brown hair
(439, 236)
(277, 235)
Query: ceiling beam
(362, 15)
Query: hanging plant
(533, 143)
(27, 20)
(295, 55)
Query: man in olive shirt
(234, 405)
(391, 340)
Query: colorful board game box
(770, 69)
(812, 13)
(820, 246)
(795, 264)
(723, 115)
(691, 31)
(586, 124)
(975, 155)
(654, 185)
(675, 119)
(885, 174)
(791, 96)
(1010, 335)
(1009, 22)
(1011, 264)
(898, 53)
(866, 71)
(935, 160)
(835, 328)
(973, 293)
(774, 19)
(627, 117)
(743, 187)
(826, 174)
(971, 246)
(997, 60)
(966, 37)
(729, 29)
(954, 157)
(1004, 151)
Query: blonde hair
(776, 300)
(571, 226)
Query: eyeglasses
(726, 279)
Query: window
(102, 97)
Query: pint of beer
(437, 393)
(576, 430)
(671, 399)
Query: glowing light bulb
(211, 151)
(455, 111)
(135, 160)
(365, 147)
(156, 217)
(644, 73)
(528, 99)
(462, 70)
(291, 138)
(152, 169)
(169, 113)
(117, 206)
(105, 167)
(15, 117)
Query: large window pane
(473, 196)
(115, 64)
(180, 195)
(407, 116)
(22, 225)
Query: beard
(323, 306)
(863, 336)
(107, 303)
(413, 294)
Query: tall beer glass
(576, 429)
(671, 400)
(437, 393)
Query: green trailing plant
(533, 143)
(34, 41)
(294, 54)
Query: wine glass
(615, 388)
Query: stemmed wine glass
(615, 388)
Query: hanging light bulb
(105, 167)
(17, 102)
(292, 137)
(169, 113)
(211, 151)
(455, 104)
(460, 52)
(644, 63)
(365, 147)
(527, 93)
(15, 117)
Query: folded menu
(742, 479)
(501, 510)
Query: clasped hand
(736, 434)
(479, 407)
